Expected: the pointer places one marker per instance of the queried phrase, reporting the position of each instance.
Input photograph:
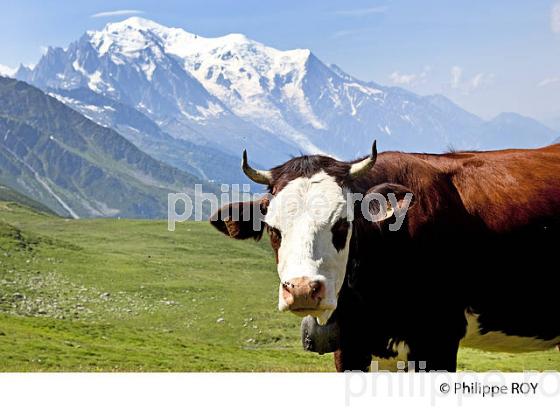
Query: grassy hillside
(127, 295)
(10, 195)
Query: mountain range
(229, 93)
(126, 114)
(204, 161)
(75, 167)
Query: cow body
(473, 263)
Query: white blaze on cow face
(304, 212)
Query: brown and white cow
(474, 262)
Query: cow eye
(340, 232)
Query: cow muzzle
(302, 295)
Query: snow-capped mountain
(6, 71)
(232, 92)
(129, 62)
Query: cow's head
(308, 215)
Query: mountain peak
(137, 32)
(127, 36)
(134, 22)
(515, 119)
(140, 22)
(510, 116)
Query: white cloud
(357, 13)
(6, 71)
(555, 18)
(402, 79)
(478, 80)
(481, 80)
(362, 12)
(468, 85)
(548, 81)
(116, 13)
(349, 32)
(456, 74)
(410, 80)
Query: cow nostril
(316, 289)
(287, 285)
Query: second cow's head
(309, 215)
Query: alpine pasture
(128, 295)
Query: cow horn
(360, 168)
(256, 175)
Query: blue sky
(488, 56)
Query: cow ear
(239, 220)
(400, 195)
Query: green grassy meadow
(127, 295)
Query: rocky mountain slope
(72, 165)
